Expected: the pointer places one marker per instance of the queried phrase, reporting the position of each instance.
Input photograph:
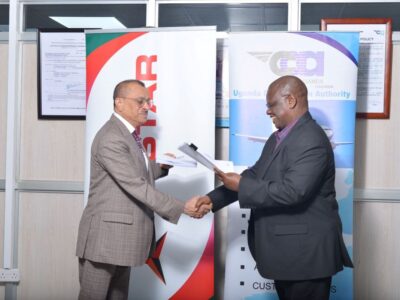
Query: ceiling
(227, 17)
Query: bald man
(116, 230)
(295, 232)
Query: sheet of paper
(179, 161)
(224, 165)
(198, 156)
(63, 73)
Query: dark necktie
(138, 140)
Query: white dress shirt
(131, 130)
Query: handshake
(198, 206)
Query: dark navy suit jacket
(295, 232)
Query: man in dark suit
(295, 232)
(116, 230)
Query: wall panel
(1, 239)
(377, 225)
(48, 227)
(376, 251)
(50, 150)
(3, 106)
(377, 160)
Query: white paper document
(179, 161)
(225, 166)
(191, 150)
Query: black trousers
(315, 289)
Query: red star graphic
(154, 260)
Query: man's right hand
(197, 208)
(204, 202)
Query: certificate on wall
(375, 59)
(61, 74)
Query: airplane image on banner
(328, 131)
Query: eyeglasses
(141, 101)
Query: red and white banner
(178, 67)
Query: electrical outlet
(9, 275)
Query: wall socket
(9, 275)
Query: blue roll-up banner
(327, 62)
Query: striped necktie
(138, 140)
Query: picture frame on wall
(61, 74)
(374, 64)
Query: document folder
(191, 151)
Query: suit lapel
(270, 154)
(138, 152)
(131, 142)
(293, 132)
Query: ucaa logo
(305, 63)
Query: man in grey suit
(116, 230)
(295, 232)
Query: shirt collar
(281, 134)
(125, 122)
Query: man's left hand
(231, 180)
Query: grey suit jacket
(295, 232)
(117, 225)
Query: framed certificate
(374, 64)
(61, 74)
